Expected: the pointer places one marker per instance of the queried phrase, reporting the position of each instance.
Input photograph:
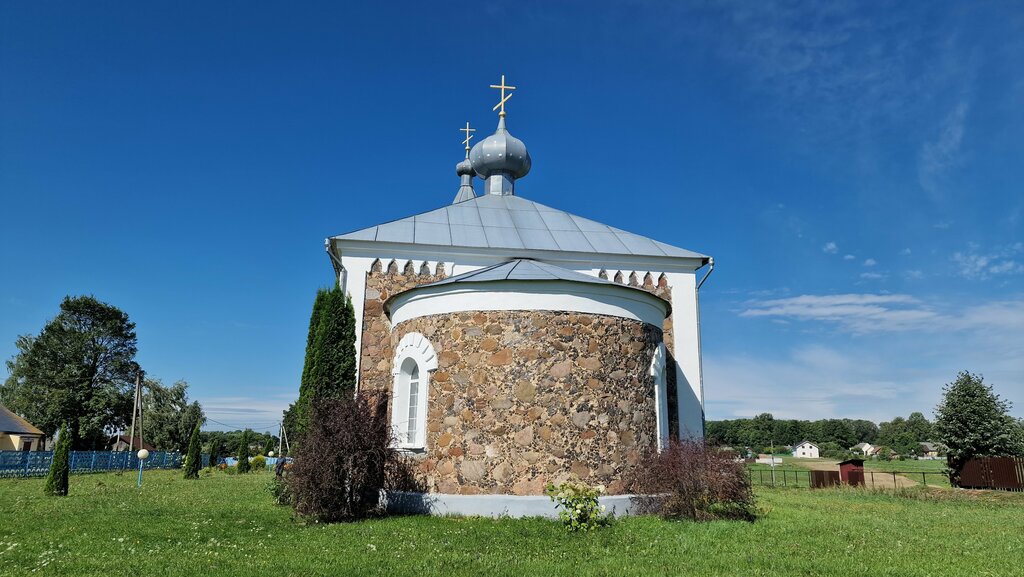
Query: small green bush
(690, 480)
(258, 463)
(580, 509)
(278, 488)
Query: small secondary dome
(500, 153)
(464, 168)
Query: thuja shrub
(343, 460)
(690, 480)
(243, 465)
(578, 505)
(60, 466)
(194, 458)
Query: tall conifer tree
(60, 466)
(330, 367)
(243, 453)
(215, 450)
(194, 458)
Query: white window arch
(658, 367)
(414, 360)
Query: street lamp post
(143, 455)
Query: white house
(806, 450)
(866, 449)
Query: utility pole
(135, 408)
(140, 413)
(280, 438)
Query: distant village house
(866, 449)
(17, 434)
(806, 450)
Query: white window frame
(413, 350)
(657, 370)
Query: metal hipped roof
(12, 423)
(513, 222)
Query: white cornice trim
(611, 300)
(443, 252)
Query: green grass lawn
(227, 525)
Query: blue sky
(856, 171)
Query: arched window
(657, 370)
(414, 359)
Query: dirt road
(873, 479)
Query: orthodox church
(522, 344)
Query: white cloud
(830, 248)
(914, 274)
(890, 355)
(943, 224)
(808, 382)
(871, 275)
(239, 412)
(905, 252)
(870, 262)
(849, 257)
(864, 313)
(980, 265)
(857, 313)
(939, 156)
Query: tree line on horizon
(971, 421)
(901, 435)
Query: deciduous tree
(974, 422)
(77, 371)
(170, 417)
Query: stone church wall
(659, 288)
(521, 398)
(376, 347)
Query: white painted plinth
(515, 506)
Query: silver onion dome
(500, 153)
(464, 168)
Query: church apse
(523, 398)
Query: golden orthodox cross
(504, 98)
(469, 136)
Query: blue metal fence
(37, 463)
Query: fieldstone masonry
(521, 398)
(376, 348)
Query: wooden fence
(868, 478)
(37, 463)
(1005, 473)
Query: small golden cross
(504, 98)
(469, 136)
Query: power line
(248, 426)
